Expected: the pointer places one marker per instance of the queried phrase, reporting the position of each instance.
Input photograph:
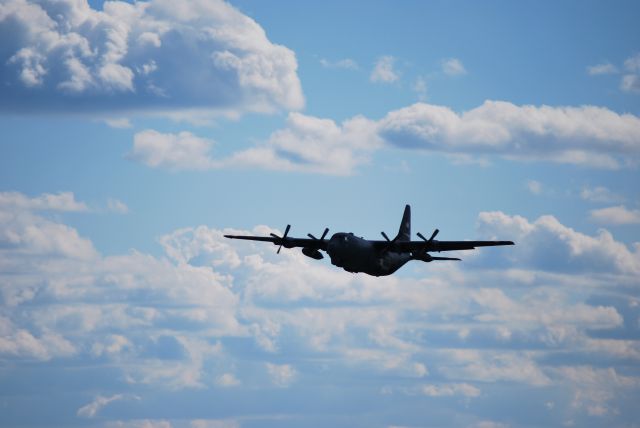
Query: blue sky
(135, 134)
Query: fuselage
(355, 254)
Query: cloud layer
(216, 314)
(148, 56)
(588, 136)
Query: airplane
(377, 258)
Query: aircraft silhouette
(377, 258)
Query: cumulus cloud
(384, 71)
(67, 55)
(549, 245)
(187, 319)
(307, 144)
(314, 145)
(92, 299)
(282, 375)
(617, 215)
(453, 67)
(173, 151)
(27, 233)
(588, 135)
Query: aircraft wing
(428, 246)
(285, 241)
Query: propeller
(326, 230)
(282, 239)
(433, 235)
(390, 242)
(428, 257)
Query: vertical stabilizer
(404, 234)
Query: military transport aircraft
(377, 258)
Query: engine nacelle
(313, 253)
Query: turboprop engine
(313, 253)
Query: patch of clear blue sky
(526, 53)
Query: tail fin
(404, 233)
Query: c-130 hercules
(377, 258)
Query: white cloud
(630, 83)
(604, 68)
(616, 215)
(599, 194)
(588, 136)
(546, 244)
(63, 201)
(632, 64)
(492, 366)
(631, 80)
(282, 375)
(453, 67)
(173, 151)
(19, 342)
(113, 345)
(91, 410)
(450, 389)
(591, 136)
(27, 233)
(119, 123)
(346, 63)
(173, 322)
(214, 423)
(139, 423)
(420, 88)
(307, 144)
(117, 206)
(227, 380)
(92, 305)
(314, 145)
(596, 389)
(123, 58)
(384, 71)
(534, 187)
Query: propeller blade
(326, 230)
(445, 258)
(274, 235)
(286, 231)
(421, 237)
(433, 235)
(385, 236)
